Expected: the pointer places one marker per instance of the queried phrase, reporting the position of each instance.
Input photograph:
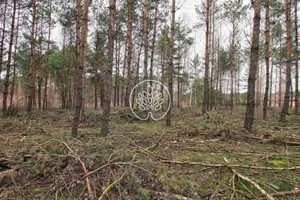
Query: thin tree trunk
(267, 58)
(3, 36)
(102, 78)
(178, 78)
(285, 107)
(108, 79)
(117, 74)
(169, 114)
(129, 43)
(153, 41)
(82, 64)
(137, 71)
(249, 117)
(206, 86)
(31, 75)
(63, 97)
(6, 83)
(40, 72)
(96, 72)
(47, 62)
(123, 76)
(280, 71)
(15, 61)
(296, 60)
(163, 62)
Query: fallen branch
(82, 164)
(111, 185)
(227, 165)
(268, 196)
(277, 194)
(170, 195)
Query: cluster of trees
(104, 49)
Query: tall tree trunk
(296, 60)
(96, 72)
(47, 61)
(137, 71)
(129, 43)
(12, 89)
(145, 33)
(206, 86)
(169, 114)
(102, 78)
(31, 74)
(3, 36)
(163, 62)
(285, 107)
(40, 72)
(116, 74)
(63, 96)
(123, 76)
(6, 83)
(153, 41)
(108, 79)
(267, 58)
(232, 67)
(280, 71)
(249, 117)
(178, 78)
(82, 63)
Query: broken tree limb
(268, 196)
(228, 165)
(277, 194)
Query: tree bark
(6, 83)
(40, 72)
(31, 74)
(82, 63)
(267, 58)
(3, 36)
(171, 66)
(108, 79)
(15, 61)
(280, 71)
(47, 61)
(102, 78)
(285, 107)
(153, 41)
(296, 60)
(96, 72)
(129, 43)
(249, 117)
(206, 72)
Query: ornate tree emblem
(150, 100)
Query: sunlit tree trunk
(249, 116)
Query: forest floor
(199, 157)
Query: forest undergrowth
(199, 157)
